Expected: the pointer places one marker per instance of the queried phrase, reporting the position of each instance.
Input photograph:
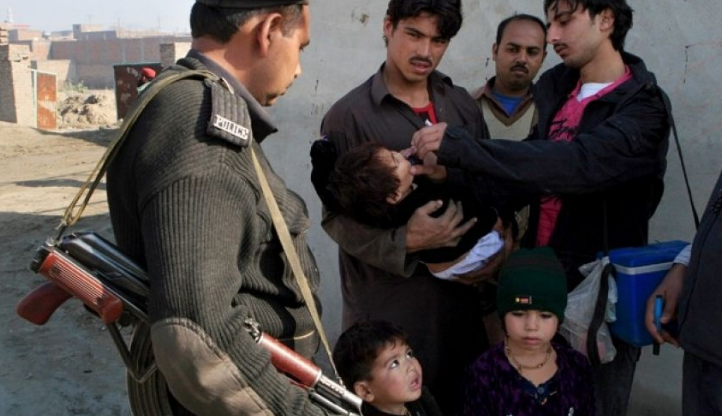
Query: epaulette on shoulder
(230, 120)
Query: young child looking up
(529, 374)
(375, 361)
(374, 185)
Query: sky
(56, 15)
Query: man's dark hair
(361, 182)
(520, 18)
(221, 23)
(448, 12)
(622, 15)
(357, 349)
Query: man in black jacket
(187, 204)
(692, 290)
(595, 162)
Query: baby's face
(402, 170)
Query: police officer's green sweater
(187, 205)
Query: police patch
(230, 127)
(230, 120)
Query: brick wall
(79, 29)
(16, 96)
(39, 49)
(171, 52)
(95, 75)
(7, 91)
(94, 59)
(65, 70)
(16, 35)
(99, 35)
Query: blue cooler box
(639, 272)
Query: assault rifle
(113, 287)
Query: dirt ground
(69, 366)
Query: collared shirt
(262, 123)
(371, 112)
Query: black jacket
(618, 156)
(700, 315)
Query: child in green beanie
(529, 374)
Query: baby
(374, 185)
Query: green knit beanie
(532, 279)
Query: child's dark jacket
(494, 388)
(425, 406)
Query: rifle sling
(285, 236)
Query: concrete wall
(681, 42)
(16, 97)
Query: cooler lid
(663, 252)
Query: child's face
(402, 170)
(531, 329)
(396, 379)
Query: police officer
(186, 203)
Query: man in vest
(506, 99)
(507, 104)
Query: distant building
(87, 53)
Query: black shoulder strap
(609, 270)
(599, 311)
(673, 125)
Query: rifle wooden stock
(74, 279)
(309, 375)
(40, 304)
(93, 270)
(290, 362)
